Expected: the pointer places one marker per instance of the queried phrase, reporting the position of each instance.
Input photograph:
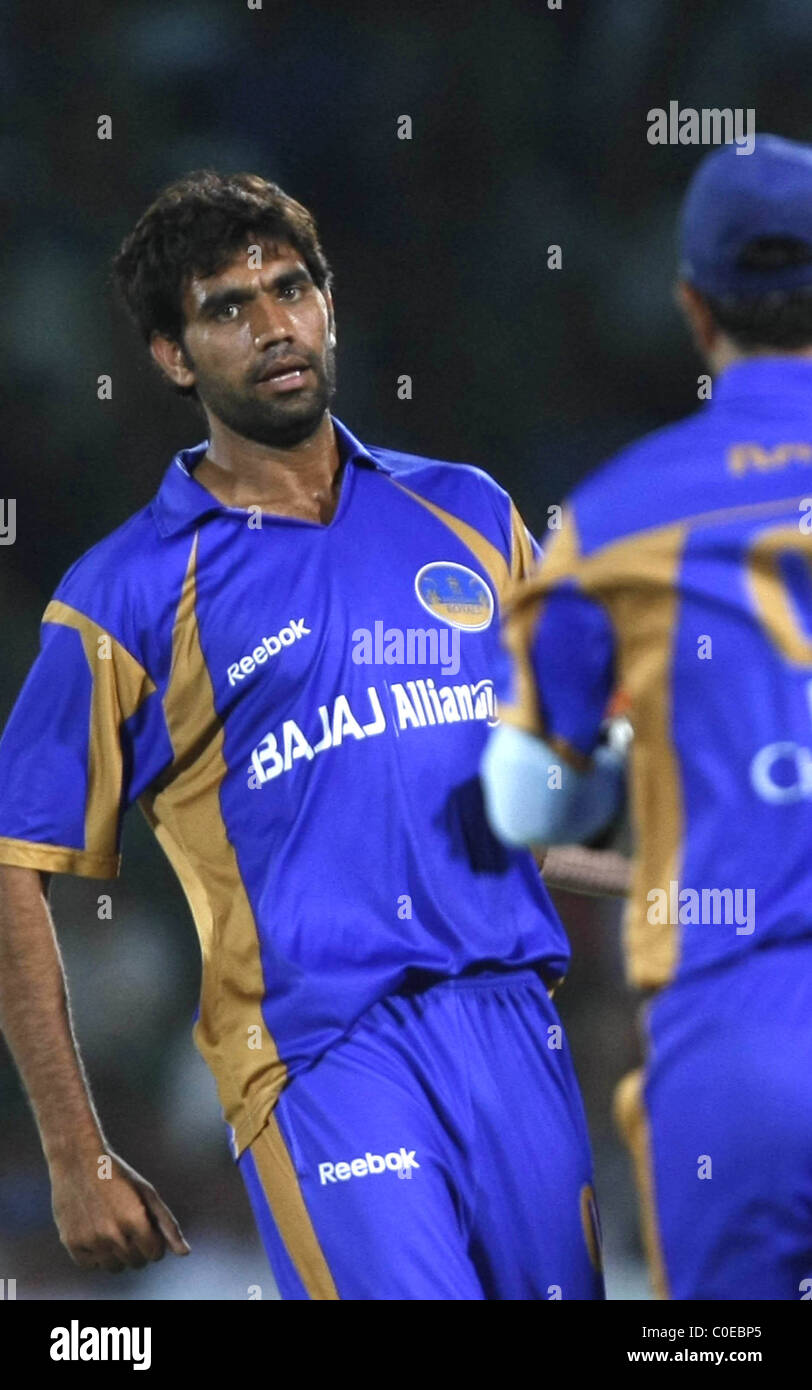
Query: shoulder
(95, 575)
(649, 483)
(464, 490)
(128, 584)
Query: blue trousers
(720, 1124)
(439, 1152)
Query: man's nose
(270, 322)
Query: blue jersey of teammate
(682, 575)
(286, 703)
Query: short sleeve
(558, 680)
(68, 754)
(516, 545)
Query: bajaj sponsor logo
(457, 595)
(405, 705)
(401, 1163)
(270, 646)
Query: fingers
(122, 1226)
(108, 1255)
(145, 1242)
(138, 1245)
(131, 1251)
(134, 1247)
(165, 1221)
(130, 1244)
(113, 1262)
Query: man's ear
(697, 315)
(331, 318)
(172, 360)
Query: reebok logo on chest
(401, 1163)
(269, 646)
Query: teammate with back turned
(683, 576)
(377, 969)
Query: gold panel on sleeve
(524, 605)
(57, 859)
(634, 580)
(522, 559)
(119, 686)
(184, 811)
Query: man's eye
(291, 291)
(225, 313)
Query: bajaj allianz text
(399, 707)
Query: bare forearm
(35, 1018)
(112, 1220)
(595, 872)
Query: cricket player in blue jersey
(287, 660)
(683, 576)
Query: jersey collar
(181, 501)
(764, 376)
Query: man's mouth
(284, 376)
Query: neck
(726, 355)
(302, 481)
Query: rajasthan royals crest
(455, 594)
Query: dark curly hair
(194, 227)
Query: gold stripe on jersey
(119, 685)
(521, 622)
(57, 859)
(284, 1194)
(632, 1121)
(770, 591)
(524, 608)
(491, 559)
(522, 559)
(184, 812)
(634, 580)
(590, 1226)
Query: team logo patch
(454, 594)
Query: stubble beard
(281, 423)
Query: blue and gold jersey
(300, 710)
(682, 576)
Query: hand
(113, 1223)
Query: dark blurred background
(528, 129)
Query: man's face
(260, 347)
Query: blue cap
(732, 200)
